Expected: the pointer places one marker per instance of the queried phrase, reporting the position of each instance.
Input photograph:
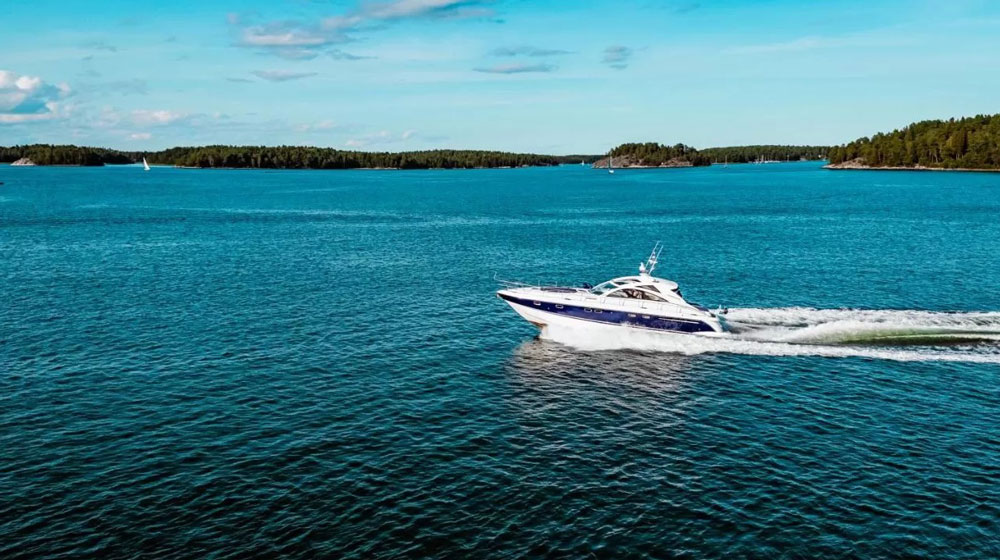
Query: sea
(300, 364)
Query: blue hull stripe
(613, 317)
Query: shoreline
(350, 168)
(855, 167)
(651, 166)
(167, 166)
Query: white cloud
(145, 117)
(399, 9)
(140, 136)
(298, 40)
(289, 39)
(380, 138)
(284, 35)
(316, 127)
(29, 98)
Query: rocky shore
(859, 164)
(24, 162)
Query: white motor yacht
(630, 302)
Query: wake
(901, 335)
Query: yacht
(631, 302)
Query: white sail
(145, 165)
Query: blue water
(236, 364)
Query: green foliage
(750, 154)
(46, 154)
(970, 143)
(279, 157)
(653, 154)
(302, 157)
(577, 158)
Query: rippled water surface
(237, 364)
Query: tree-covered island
(652, 154)
(971, 143)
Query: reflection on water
(549, 365)
(551, 382)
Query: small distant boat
(145, 166)
(611, 165)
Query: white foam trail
(803, 316)
(799, 331)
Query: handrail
(518, 284)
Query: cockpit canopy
(639, 287)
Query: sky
(531, 76)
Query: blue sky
(539, 76)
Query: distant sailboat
(145, 166)
(611, 164)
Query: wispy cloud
(403, 9)
(525, 50)
(281, 75)
(322, 126)
(685, 7)
(819, 42)
(617, 56)
(338, 54)
(29, 98)
(296, 53)
(383, 137)
(100, 46)
(288, 39)
(156, 117)
(134, 86)
(140, 136)
(240, 80)
(516, 68)
(299, 40)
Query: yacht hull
(543, 313)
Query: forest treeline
(46, 154)
(652, 154)
(300, 157)
(750, 154)
(972, 143)
(969, 143)
(278, 157)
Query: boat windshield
(604, 288)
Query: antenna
(654, 256)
